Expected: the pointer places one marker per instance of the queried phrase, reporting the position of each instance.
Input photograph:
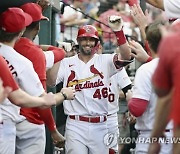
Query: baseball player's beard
(86, 51)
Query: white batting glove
(115, 22)
(65, 45)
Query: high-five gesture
(115, 22)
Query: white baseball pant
(142, 148)
(7, 137)
(85, 137)
(30, 138)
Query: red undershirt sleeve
(59, 53)
(48, 119)
(137, 106)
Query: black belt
(139, 131)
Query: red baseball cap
(34, 10)
(14, 20)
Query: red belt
(89, 119)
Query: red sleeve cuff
(137, 106)
(146, 45)
(59, 53)
(121, 39)
(149, 59)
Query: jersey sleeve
(142, 84)
(108, 60)
(49, 59)
(61, 71)
(6, 75)
(29, 81)
(123, 79)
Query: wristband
(64, 95)
(121, 39)
(149, 59)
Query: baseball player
(119, 81)
(167, 88)
(143, 102)
(15, 94)
(35, 54)
(89, 73)
(13, 21)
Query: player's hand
(115, 22)
(138, 52)
(65, 45)
(69, 92)
(131, 119)
(58, 139)
(154, 148)
(44, 4)
(139, 17)
(124, 120)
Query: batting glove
(65, 45)
(116, 23)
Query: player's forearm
(125, 52)
(20, 98)
(47, 117)
(156, 3)
(123, 46)
(161, 115)
(59, 97)
(52, 74)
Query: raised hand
(115, 23)
(138, 52)
(65, 45)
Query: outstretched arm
(116, 24)
(21, 98)
(140, 19)
(156, 3)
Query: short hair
(7, 37)
(153, 34)
(33, 25)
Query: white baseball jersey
(143, 89)
(49, 59)
(27, 79)
(172, 8)
(117, 82)
(91, 81)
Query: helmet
(88, 31)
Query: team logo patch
(110, 139)
(88, 30)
